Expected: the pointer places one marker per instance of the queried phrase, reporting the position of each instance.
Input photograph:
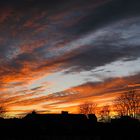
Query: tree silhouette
(2, 111)
(87, 108)
(128, 103)
(105, 113)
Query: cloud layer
(53, 53)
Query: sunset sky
(56, 54)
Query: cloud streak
(50, 50)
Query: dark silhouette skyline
(68, 126)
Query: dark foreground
(68, 127)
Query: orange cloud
(36, 44)
(101, 93)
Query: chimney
(64, 112)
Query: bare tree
(105, 113)
(87, 108)
(128, 103)
(2, 111)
